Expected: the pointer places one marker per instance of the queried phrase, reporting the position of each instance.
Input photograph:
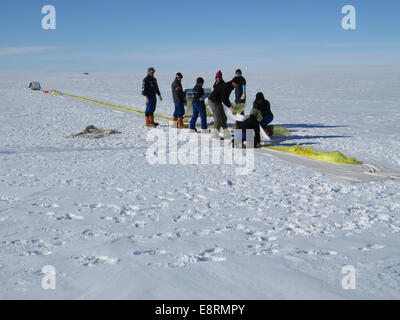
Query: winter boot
(148, 122)
(205, 131)
(181, 125)
(154, 124)
(269, 130)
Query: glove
(243, 97)
(240, 107)
(146, 99)
(232, 108)
(161, 99)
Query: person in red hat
(218, 78)
(218, 97)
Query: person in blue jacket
(240, 91)
(199, 106)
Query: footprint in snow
(35, 253)
(27, 247)
(91, 234)
(317, 252)
(115, 219)
(209, 255)
(152, 252)
(91, 261)
(371, 247)
(70, 216)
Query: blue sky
(132, 35)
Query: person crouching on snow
(264, 107)
(251, 124)
(199, 106)
(179, 98)
(149, 91)
(220, 95)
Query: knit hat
(219, 74)
(260, 96)
(238, 71)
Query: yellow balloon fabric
(310, 152)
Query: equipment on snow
(91, 132)
(35, 86)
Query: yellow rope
(107, 104)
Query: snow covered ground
(113, 226)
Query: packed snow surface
(114, 226)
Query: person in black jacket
(264, 107)
(218, 78)
(240, 91)
(246, 130)
(199, 107)
(149, 91)
(220, 95)
(179, 98)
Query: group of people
(260, 115)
